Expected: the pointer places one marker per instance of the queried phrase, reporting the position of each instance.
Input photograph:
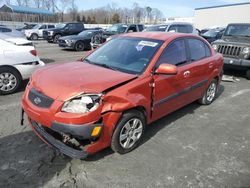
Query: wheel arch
(13, 68)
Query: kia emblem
(37, 100)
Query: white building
(208, 17)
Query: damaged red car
(109, 97)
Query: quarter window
(174, 54)
(197, 49)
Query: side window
(132, 28)
(43, 27)
(208, 51)
(173, 28)
(197, 49)
(174, 54)
(51, 26)
(5, 30)
(79, 26)
(141, 27)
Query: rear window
(181, 28)
(197, 49)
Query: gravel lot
(197, 146)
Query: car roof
(157, 35)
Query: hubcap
(80, 46)
(131, 133)
(211, 92)
(7, 81)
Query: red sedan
(109, 97)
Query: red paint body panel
(147, 91)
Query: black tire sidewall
(34, 35)
(204, 99)
(77, 43)
(248, 74)
(57, 36)
(115, 142)
(18, 78)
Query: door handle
(186, 73)
(211, 65)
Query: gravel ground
(197, 146)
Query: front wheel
(210, 93)
(34, 36)
(129, 132)
(79, 46)
(56, 38)
(10, 81)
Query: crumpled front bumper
(50, 140)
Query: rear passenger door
(201, 66)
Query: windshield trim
(161, 42)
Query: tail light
(33, 52)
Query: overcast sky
(168, 7)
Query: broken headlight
(82, 104)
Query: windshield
(37, 26)
(212, 33)
(238, 30)
(130, 55)
(157, 28)
(60, 26)
(117, 28)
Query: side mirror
(167, 69)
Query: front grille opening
(229, 50)
(69, 140)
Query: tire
(79, 46)
(10, 80)
(56, 37)
(132, 125)
(34, 36)
(248, 74)
(210, 93)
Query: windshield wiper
(101, 64)
(105, 66)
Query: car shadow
(28, 162)
(235, 73)
(153, 128)
(47, 61)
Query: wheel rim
(34, 37)
(57, 37)
(79, 46)
(131, 133)
(7, 81)
(211, 92)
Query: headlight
(215, 47)
(50, 32)
(69, 41)
(82, 104)
(246, 50)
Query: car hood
(235, 40)
(73, 37)
(68, 80)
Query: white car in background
(18, 60)
(37, 31)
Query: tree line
(66, 10)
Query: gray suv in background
(177, 27)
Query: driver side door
(170, 91)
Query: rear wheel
(56, 37)
(210, 93)
(34, 36)
(79, 46)
(129, 132)
(10, 80)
